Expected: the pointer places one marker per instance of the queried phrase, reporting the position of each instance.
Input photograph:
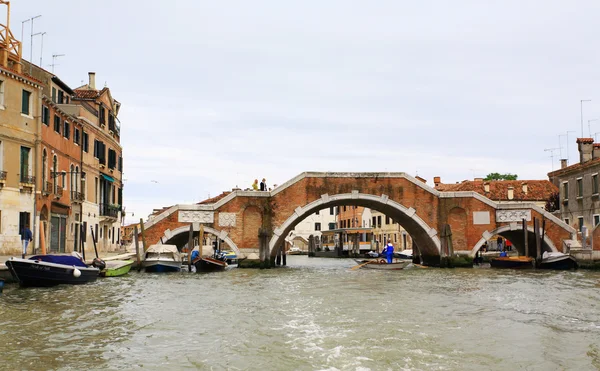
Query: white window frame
(566, 196)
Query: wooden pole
(200, 239)
(81, 237)
(525, 237)
(538, 242)
(137, 247)
(284, 254)
(42, 238)
(94, 241)
(83, 250)
(190, 246)
(143, 235)
(543, 233)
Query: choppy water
(317, 314)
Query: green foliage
(498, 176)
(553, 202)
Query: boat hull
(383, 265)
(566, 262)
(512, 262)
(161, 266)
(116, 268)
(209, 265)
(41, 274)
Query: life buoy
(382, 261)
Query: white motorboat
(405, 254)
(162, 258)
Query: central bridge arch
(425, 237)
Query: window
(26, 102)
(67, 130)
(1, 92)
(580, 219)
(317, 226)
(54, 95)
(85, 142)
(121, 164)
(112, 161)
(100, 151)
(57, 124)
(76, 137)
(102, 115)
(331, 226)
(379, 221)
(24, 221)
(45, 116)
(25, 151)
(566, 191)
(387, 220)
(579, 187)
(374, 222)
(60, 96)
(595, 184)
(344, 208)
(317, 213)
(596, 219)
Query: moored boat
(557, 260)
(162, 258)
(405, 254)
(512, 262)
(115, 268)
(51, 270)
(208, 264)
(382, 264)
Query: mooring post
(525, 237)
(262, 247)
(283, 255)
(143, 235)
(190, 246)
(137, 247)
(536, 226)
(278, 256)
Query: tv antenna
(551, 154)
(54, 56)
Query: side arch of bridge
(186, 230)
(515, 234)
(424, 235)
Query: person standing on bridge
(263, 185)
(255, 185)
(389, 252)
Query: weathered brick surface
(252, 212)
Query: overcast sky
(217, 93)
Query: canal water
(316, 314)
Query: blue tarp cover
(59, 259)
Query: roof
(537, 190)
(575, 167)
(87, 94)
(214, 199)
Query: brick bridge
(421, 210)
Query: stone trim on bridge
(300, 213)
(221, 234)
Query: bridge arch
(185, 230)
(425, 237)
(515, 234)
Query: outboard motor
(98, 263)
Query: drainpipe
(38, 131)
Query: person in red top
(508, 245)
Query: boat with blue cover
(51, 270)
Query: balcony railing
(29, 179)
(47, 188)
(111, 211)
(58, 192)
(2, 175)
(76, 196)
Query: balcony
(58, 192)
(110, 211)
(47, 188)
(76, 196)
(27, 179)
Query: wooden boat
(208, 264)
(51, 270)
(512, 262)
(382, 264)
(115, 268)
(557, 260)
(162, 258)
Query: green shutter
(25, 102)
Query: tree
(498, 176)
(553, 202)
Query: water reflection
(314, 314)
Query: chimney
(596, 152)
(563, 163)
(92, 82)
(436, 181)
(486, 187)
(524, 186)
(586, 147)
(511, 192)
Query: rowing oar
(420, 266)
(360, 265)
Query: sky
(218, 93)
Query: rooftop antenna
(590, 126)
(568, 155)
(42, 47)
(551, 154)
(54, 56)
(31, 44)
(596, 136)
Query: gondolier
(389, 252)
